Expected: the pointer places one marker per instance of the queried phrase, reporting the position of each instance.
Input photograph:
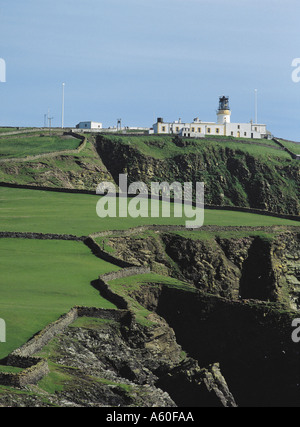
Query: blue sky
(141, 59)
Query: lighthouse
(223, 113)
(223, 127)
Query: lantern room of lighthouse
(223, 113)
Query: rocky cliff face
(250, 340)
(285, 255)
(246, 343)
(232, 177)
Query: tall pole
(63, 105)
(255, 106)
(50, 123)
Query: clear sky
(141, 59)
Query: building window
(255, 129)
(193, 129)
(208, 130)
(245, 133)
(231, 133)
(199, 130)
(217, 130)
(164, 128)
(177, 129)
(239, 127)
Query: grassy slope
(41, 280)
(22, 146)
(79, 170)
(295, 148)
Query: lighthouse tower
(223, 113)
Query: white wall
(245, 130)
(238, 130)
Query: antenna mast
(63, 105)
(255, 106)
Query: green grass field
(22, 146)
(41, 280)
(50, 212)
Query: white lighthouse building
(223, 126)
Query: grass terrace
(163, 146)
(40, 281)
(129, 285)
(23, 145)
(50, 212)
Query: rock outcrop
(113, 364)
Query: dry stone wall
(35, 368)
(291, 153)
(30, 375)
(38, 236)
(40, 340)
(97, 251)
(111, 296)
